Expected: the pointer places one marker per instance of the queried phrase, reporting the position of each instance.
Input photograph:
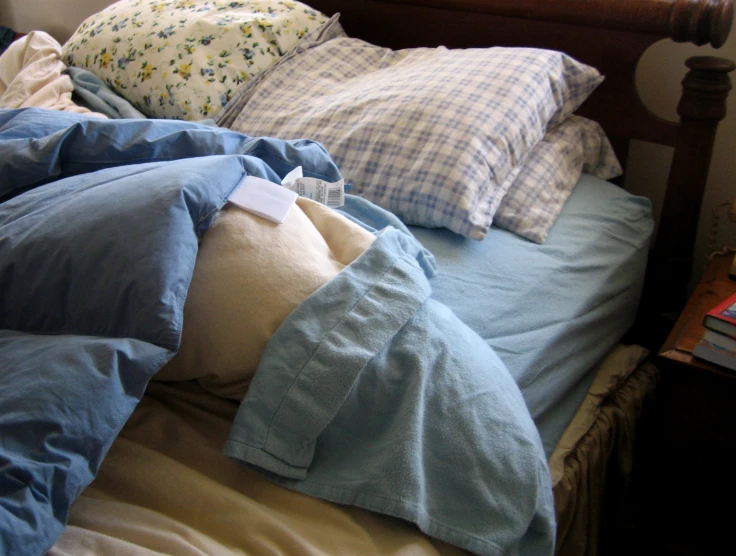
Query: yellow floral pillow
(184, 59)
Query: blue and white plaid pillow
(550, 173)
(433, 135)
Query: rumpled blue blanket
(99, 231)
(371, 393)
(92, 92)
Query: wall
(660, 72)
(57, 17)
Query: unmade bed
(446, 362)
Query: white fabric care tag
(296, 173)
(262, 197)
(331, 194)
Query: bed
(439, 364)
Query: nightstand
(685, 474)
(713, 288)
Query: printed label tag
(331, 194)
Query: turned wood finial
(705, 88)
(701, 21)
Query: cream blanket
(250, 274)
(31, 75)
(165, 487)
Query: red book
(722, 317)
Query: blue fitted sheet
(551, 311)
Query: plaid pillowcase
(546, 180)
(430, 134)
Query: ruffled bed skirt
(592, 464)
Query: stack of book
(718, 344)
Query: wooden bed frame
(610, 35)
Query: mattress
(446, 379)
(170, 452)
(552, 311)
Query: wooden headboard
(610, 35)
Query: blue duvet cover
(371, 393)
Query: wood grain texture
(697, 21)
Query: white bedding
(32, 75)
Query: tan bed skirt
(166, 488)
(597, 446)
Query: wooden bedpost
(702, 106)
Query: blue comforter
(371, 393)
